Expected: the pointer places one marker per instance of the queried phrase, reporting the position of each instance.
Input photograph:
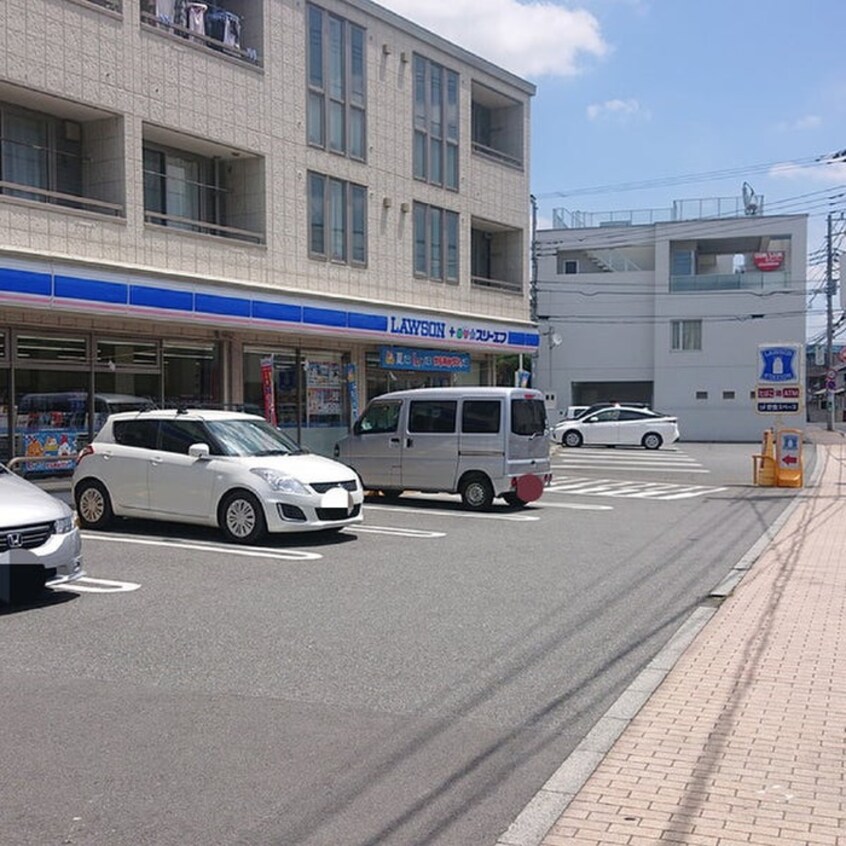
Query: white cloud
(800, 124)
(620, 110)
(529, 39)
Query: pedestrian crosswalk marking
(642, 461)
(585, 486)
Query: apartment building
(280, 205)
(669, 307)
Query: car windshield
(251, 437)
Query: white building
(671, 313)
(284, 204)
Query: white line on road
(393, 530)
(617, 465)
(87, 584)
(576, 506)
(248, 551)
(517, 518)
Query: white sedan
(619, 426)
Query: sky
(643, 102)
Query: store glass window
(117, 353)
(60, 350)
(307, 393)
(326, 407)
(271, 387)
(191, 375)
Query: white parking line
(87, 584)
(573, 506)
(517, 518)
(247, 551)
(393, 530)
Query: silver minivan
(479, 442)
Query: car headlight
(64, 525)
(280, 482)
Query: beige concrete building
(287, 205)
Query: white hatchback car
(619, 426)
(212, 468)
(39, 540)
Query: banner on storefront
(352, 389)
(267, 390)
(405, 358)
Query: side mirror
(200, 451)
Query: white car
(619, 426)
(211, 468)
(39, 540)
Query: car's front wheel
(571, 439)
(241, 518)
(652, 440)
(93, 504)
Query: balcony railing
(498, 155)
(110, 5)
(501, 285)
(746, 281)
(203, 227)
(56, 198)
(227, 46)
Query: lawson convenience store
(70, 334)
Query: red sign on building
(769, 261)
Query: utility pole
(829, 327)
(533, 284)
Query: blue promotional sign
(779, 363)
(404, 358)
(352, 388)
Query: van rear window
(528, 417)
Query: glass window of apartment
(179, 189)
(497, 125)
(435, 243)
(686, 335)
(221, 195)
(337, 96)
(435, 110)
(41, 153)
(337, 220)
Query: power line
(705, 176)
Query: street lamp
(553, 340)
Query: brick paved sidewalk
(744, 742)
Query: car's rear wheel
(93, 504)
(572, 439)
(476, 492)
(652, 440)
(241, 518)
